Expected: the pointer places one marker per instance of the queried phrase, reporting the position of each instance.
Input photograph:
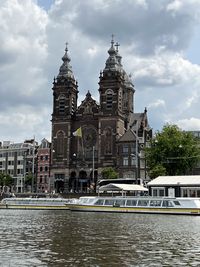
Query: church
(90, 137)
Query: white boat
(154, 205)
(35, 203)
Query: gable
(128, 136)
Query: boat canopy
(122, 187)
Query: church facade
(92, 136)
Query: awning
(178, 180)
(122, 187)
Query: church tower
(65, 94)
(116, 104)
(92, 136)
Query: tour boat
(154, 205)
(35, 203)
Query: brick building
(110, 133)
(43, 167)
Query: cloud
(148, 24)
(154, 37)
(157, 103)
(25, 122)
(188, 124)
(22, 56)
(22, 38)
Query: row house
(29, 165)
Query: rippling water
(64, 238)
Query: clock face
(89, 137)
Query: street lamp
(93, 164)
(77, 175)
(136, 153)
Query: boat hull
(35, 203)
(19, 207)
(33, 207)
(145, 210)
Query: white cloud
(192, 124)
(22, 56)
(157, 103)
(165, 69)
(174, 6)
(154, 37)
(25, 122)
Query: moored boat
(35, 203)
(154, 205)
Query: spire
(112, 51)
(117, 46)
(66, 69)
(112, 63)
(88, 95)
(119, 58)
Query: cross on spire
(66, 49)
(117, 46)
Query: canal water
(64, 238)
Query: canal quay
(65, 238)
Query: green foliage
(28, 179)
(157, 170)
(109, 173)
(5, 179)
(172, 152)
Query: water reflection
(63, 238)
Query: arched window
(120, 100)
(60, 143)
(73, 105)
(125, 104)
(109, 99)
(61, 104)
(108, 141)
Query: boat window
(167, 203)
(119, 202)
(143, 202)
(90, 200)
(155, 203)
(85, 200)
(131, 202)
(109, 202)
(177, 203)
(99, 202)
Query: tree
(157, 170)
(28, 179)
(5, 179)
(172, 152)
(109, 173)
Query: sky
(159, 45)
